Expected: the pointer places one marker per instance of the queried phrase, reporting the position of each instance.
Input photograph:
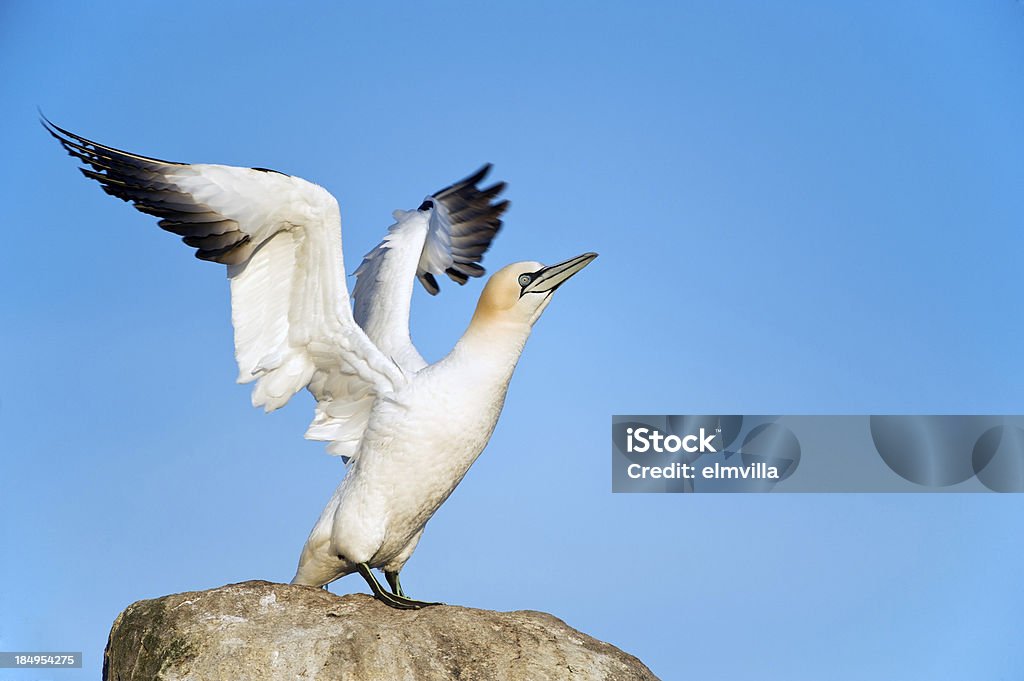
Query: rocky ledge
(258, 631)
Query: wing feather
(448, 234)
(463, 221)
(280, 237)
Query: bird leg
(388, 598)
(396, 586)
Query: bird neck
(490, 348)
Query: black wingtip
(48, 125)
(479, 175)
(474, 214)
(270, 170)
(43, 120)
(430, 283)
(66, 137)
(57, 131)
(458, 277)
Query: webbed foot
(394, 600)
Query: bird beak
(550, 278)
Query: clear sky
(801, 207)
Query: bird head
(518, 293)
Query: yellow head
(518, 293)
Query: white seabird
(409, 430)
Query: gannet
(408, 430)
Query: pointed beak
(550, 278)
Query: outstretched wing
(448, 234)
(280, 237)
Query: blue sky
(800, 207)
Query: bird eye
(525, 279)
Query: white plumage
(409, 430)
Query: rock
(257, 631)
